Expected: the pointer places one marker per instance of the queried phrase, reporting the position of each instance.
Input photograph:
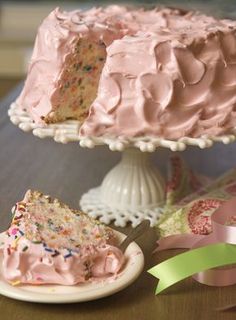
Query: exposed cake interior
(78, 83)
(48, 221)
(133, 72)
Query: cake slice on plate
(47, 242)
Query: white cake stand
(134, 189)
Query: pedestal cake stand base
(91, 203)
(133, 190)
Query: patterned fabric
(191, 199)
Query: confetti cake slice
(47, 242)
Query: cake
(47, 242)
(132, 72)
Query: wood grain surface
(67, 171)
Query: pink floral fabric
(191, 199)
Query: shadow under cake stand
(134, 189)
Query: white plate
(79, 293)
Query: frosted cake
(133, 72)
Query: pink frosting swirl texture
(36, 266)
(168, 73)
(53, 44)
(173, 81)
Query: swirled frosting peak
(168, 72)
(178, 78)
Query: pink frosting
(27, 261)
(53, 44)
(173, 82)
(168, 73)
(36, 266)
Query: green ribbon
(191, 262)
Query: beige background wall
(19, 21)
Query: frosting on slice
(48, 242)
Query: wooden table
(66, 171)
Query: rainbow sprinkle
(18, 217)
(68, 255)
(55, 254)
(36, 242)
(15, 283)
(14, 231)
(15, 242)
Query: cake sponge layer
(77, 87)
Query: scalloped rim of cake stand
(91, 202)
(68, 131)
